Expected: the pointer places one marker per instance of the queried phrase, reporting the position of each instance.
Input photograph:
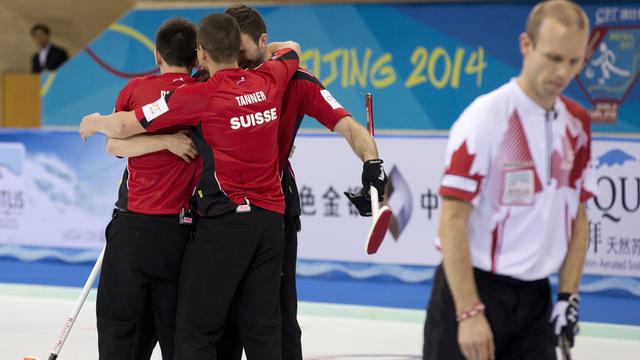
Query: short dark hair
(566, 12)
(219, 35)
(249, 20)
(176, 42)
(41, 27)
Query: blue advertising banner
(55, 191)
(423, 62)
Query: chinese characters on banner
(332, 229)
(57, 192)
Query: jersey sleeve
(182, 107)
(587, 183)
(317, 101)
(282, 65)
(468, 154)
(583, 171)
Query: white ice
(30, 322)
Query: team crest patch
(155, 109)
(330, 99)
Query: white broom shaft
(76, 310)
(375, 206)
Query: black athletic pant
(231, 258)
(518, 313)
(230, 344)
(140, 268)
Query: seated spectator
(49, 57)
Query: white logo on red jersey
(155, 109)
(250, 120)
(252, 98)
(330, 99)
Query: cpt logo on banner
(611, 68)
(11, 183)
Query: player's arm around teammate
(179, 143)
(124, 124)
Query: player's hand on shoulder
(476, 338)
(277, 45)
(181, 145)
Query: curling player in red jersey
(236, 247)
(305, 95)
(147, 236)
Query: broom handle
(68, 324)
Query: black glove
(360, 201)
(373, 175)
(565, 316)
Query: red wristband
(470, 312)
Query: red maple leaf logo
(460, 165)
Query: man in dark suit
(49, 57)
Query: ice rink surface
(32, 316)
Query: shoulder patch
(330, 99)
(155, 109)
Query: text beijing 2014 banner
(423, 62)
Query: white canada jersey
(525, 170)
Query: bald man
(517, 177)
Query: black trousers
(231, 257)
(518, 313)
(231, 346)
(140, 272)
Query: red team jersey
(236, 113)
(160, 182)
(305, 95)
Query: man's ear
(202, 56)
(526, 43)
(158, 57)
(262, 42)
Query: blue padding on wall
(608, 308)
